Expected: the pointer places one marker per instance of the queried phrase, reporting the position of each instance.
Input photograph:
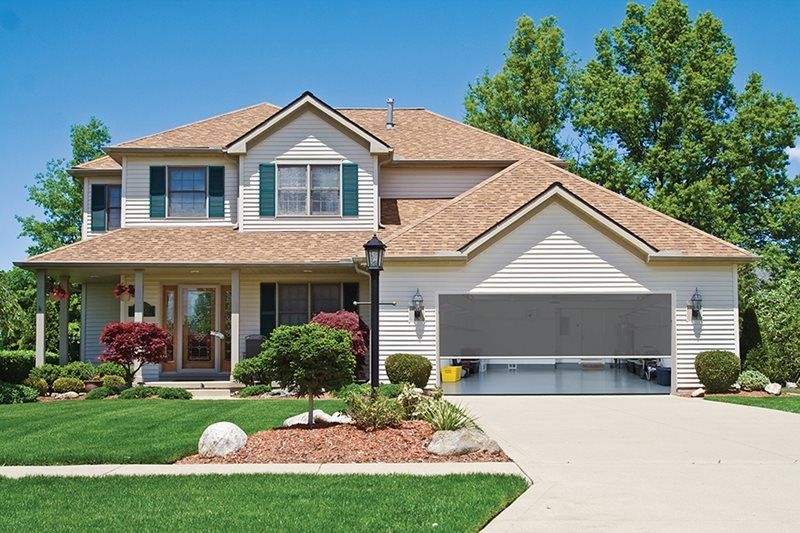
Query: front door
(199, 319)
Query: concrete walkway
(646, 463)
(417, 469)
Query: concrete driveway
(646, 463)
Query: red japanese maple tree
(132, 344)
(352, 323)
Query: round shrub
(173, 393)
(47, 372)
(408, 368)
(67, 384)
(16, 365)
(99, 393)
(37, 384)
(254, 390)
(753, 380)
(717, 370)
(78, 369)
(251, 371)
(110, 369)
(138, 393)
(112, 381)
(13, 393)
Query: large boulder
(461, 441)
(774, 389)
(319, 416)
(220, 439)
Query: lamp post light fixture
(374, 250)
(417, 306)
(696, 303)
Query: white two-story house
(532, 279)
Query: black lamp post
(374, 250)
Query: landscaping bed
(344, 443)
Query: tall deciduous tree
(528, 101)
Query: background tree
(528, 101)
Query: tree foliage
(528, 101)
(132, 344)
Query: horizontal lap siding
(556, 252)
(431, 182)
(308, 138)
(100, 307)
(136, 191)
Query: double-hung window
(187, 191)
(298, 303)
(113, 206)
(309, 190)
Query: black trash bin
(664, 376)
(252, 345)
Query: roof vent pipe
(389, 113)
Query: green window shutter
(158, 192)
(349, 189)
(98, 207)
(349, 295)
(268, 313)
(266, 190)
(216, 192)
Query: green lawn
(256, 503)
(128, 431)
(790, 403)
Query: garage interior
(555, 344)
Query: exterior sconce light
(696, 305)
(417, 306)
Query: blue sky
(144, 67)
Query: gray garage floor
(563, 378)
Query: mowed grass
(789, 403)
(256, 503)
(128, 431)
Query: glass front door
(198, 320)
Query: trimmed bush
(67, 384)
(16, 365)
(408, 368)
(110, 369)
(173, 393)
(100, 392)
(37, 384)
(14, 393)
(254, 390)
(79, 369)
(372, 410)
(165, 393)
(753, 380)
(717, 370)
(445, 416)
(47, 372)
(359, 333)
(387, 390)
(779, 363)
(111, 381)
(251, 371)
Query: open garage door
(556, 344)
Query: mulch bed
(343, 443)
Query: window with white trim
(187, 191)
(309, 190)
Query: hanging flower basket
(124, 292)
(58, 293)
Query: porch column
(234, 318)
(41, 278)
(63, 322)
(138, 308)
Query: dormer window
(310, 189)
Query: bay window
(309, 190)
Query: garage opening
(555, 344)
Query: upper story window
(309, 189)
(113, 206)
(187, 191)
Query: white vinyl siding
(556, 252)
(98, 308)
(86, 223)
(136, 190)
(431, 182)
(309, 139)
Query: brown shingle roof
(101, 163)
(401, 212)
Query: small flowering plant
(58, 293)
(124, 292)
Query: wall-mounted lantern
(696, 304)
(417, 306)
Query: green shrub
(165, 393)
(388, 390)
(100, 392)
(79, 369)
(109, 368)
(14, 393)
(67, 384)
(753, 380)
(410, 400)
(717, 370)
(112, 381)
(173, 393)
(251, 371)
(445, 416)
(16, 365)
(780, 363)
(254, 390)
(47, 372)
(408, 368)
(37, 384)
(372, 410)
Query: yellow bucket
(451, 373)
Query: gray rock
(737, 387)
(699, 393)
(461, 442)
(773, 388)
(319, 416)
(279, 392)
(791, 385)
(69, 395)
(220, 439)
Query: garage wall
(557, 252)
